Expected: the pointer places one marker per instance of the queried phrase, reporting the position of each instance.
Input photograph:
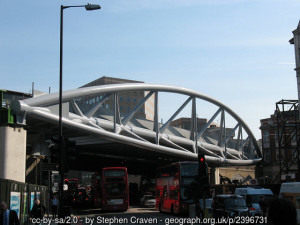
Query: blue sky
(236, 51)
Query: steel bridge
(125, 136)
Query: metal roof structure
(221, 146)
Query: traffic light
(71, 153)
(203, 171)
(54, 150)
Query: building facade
(185, 123)
(280, 134)
(127, 100)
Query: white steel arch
(225, 148)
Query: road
(135, 215)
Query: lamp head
(92, 7)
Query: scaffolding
(288, 138)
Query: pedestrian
(8, 217)
(38, 210)
(54, 206)
(262, 205)
(281, 211)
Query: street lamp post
(88, 7)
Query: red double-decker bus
(115, 191)
(173, 187)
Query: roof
(109, 80)
(250, 190)
(229, 196)
(16, 93)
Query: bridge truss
(222, 144)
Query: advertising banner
(32, 195)
(15, 201)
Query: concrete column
(214, 175)
(12, 153)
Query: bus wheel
(172, 210)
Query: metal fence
(21, 196)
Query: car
(150, 203)
(146, 198)
(229, 205)
(80, 197)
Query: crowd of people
(38, 211)
(277, 210)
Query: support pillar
(214, 175)
(12, 153)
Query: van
(291, 191)
(252, 196)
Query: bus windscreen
(114, 173)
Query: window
(266, 136)
(165, 191)
(128, 108)
(277, 154)
(172, 194)
(121, 108)
(267, 155)
(128, 99)
(121, 99)
(134, 100)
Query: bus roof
(115, 168)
